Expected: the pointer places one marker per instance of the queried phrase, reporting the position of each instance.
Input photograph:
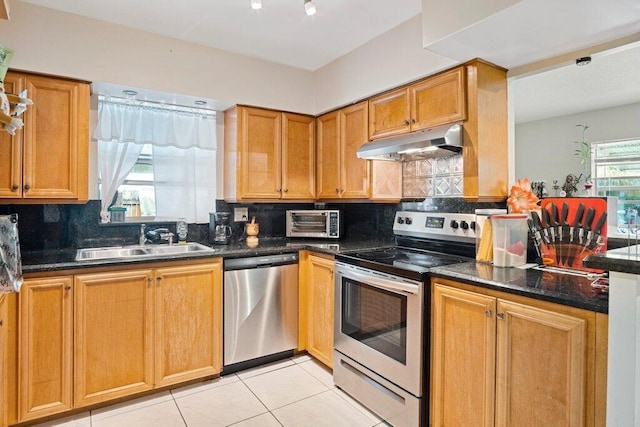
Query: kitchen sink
(127, 252)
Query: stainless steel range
(382, 314)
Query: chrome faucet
(142, 239)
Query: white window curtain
(124, 126)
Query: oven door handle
(386, 284)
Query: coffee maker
(219, 228)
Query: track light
(256, 4)
(309, 7)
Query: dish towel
(10, 261)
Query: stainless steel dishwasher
(260, 309)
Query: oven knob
(400, 220)
(453, 224)
(409, 221)
(464, 225)
(473, 225)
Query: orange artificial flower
(521, 198)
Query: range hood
(435, 142)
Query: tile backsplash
(436, 177)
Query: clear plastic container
(117, 213)
(510, 236)
(484, 235)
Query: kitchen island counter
(566, 289)
(623, 260)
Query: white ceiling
(280, 32)
(611, 79)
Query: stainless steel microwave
(322, 224)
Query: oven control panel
(435, 225)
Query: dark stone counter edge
(517, 290)
(610, 262)
(58, 260)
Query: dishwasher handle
(261, 261)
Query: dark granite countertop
(64, 259)
(565, 289)
(623, 260)
(560, 288)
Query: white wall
(544, 149)
(390, 60)
(49, 41)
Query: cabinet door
(11, 149)
(188, 331)
(438, 100)
(260, 141)
(298, 157)
(320, 299)
(541, 362)
(463, 358)
(56, 139)
(45, 343)
(328, 141)
(3, 359)
(353, 133)
(113, 335)
(389, 114)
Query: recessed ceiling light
(309, 7)
(583, 61)
(256, 4)
(200, 102)
(129, 92)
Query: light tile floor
(293, 392)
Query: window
(156, 160)
(616, 172)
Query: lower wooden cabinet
(114, 335)
(320, 299)
(317, 306)
(95, 337)
(188, 326)
(4, 323)
(45, 347)
(506, 361)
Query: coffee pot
(221, 229)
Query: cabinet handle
(413, 121)
(159, 278)
(149, 279)
(279, 190)
(500, 316)
(488, 313)
(67, 288)
(406, 122)
(27, 187)
(286, 190)
(0, 322)
(15, 187)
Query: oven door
(379, 324)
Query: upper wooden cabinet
(499, 359)
(341, 174)
(48, 158)
(269, 155)
(435, 101)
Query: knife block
(572, 239)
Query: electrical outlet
(240, 214)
